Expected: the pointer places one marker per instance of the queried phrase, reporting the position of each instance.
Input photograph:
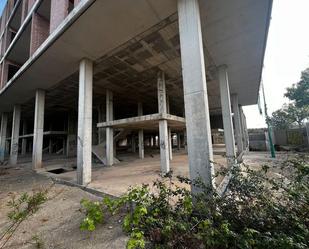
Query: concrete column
(58, 12)
(109, 130)
(102, 118)
(178, 141)
(15, 135)
(24, 140)
(237, 123)
(307, 130)
(227, 116)
(151, 141)
(163, 131)
(140, 134)
(170, 147)
(84, 134)
(37, 151)
(71, 138)
(244, 129)
(3, 132)
(195, 94)
(133, 144)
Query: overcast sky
(287, 54)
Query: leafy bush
(257, 211)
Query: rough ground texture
(56, 223)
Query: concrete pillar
(38, 130)
(237, 123)
(15, 135)
(307, 130)
(84, 134)
(71, 138)
(178, 141)
(170, 147)
(3, 133)
(58, 12)
(163, 131)
(151, 141)
(24, 140)
(133, 144)
(102, 118)
(109, 130)
(140, 134)
(200, 151)
(244, 129)
(227, 116)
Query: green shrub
(257, 211)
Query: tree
(289, 116)
(299, 92)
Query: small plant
(256, 212)
(38, 242)
(21, 209)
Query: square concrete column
(227, 116)
(170, 146)
(307, 131)
(195, 94)
(3, 133)
(15, 135)
(24, 140)
(109, 130)
(58, 12)
(178, 141)
(237, 123)
(163, 130)
(38, 131)
(72, 135)
(84, 133)
(244, 129)
(140, 134)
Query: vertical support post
(15, 135)
(178, 141)
(237, 122)
(3, 132)
(24, 140)
(37, 152)
(170, 146)
(243, 127)
(163, 131)
(140, 133)
(109, 130)
(307, 130)
(227, 116)
(84, 140)
(195, 94)
(71, 137)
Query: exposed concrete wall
(39, 32)
(58, 12)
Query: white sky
(287, 54)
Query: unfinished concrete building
(103, 81)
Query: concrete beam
(3, 132)
(140, 134)
(237, 123)
(15, 135)
(109, 130)
(227, 116)
(195, 94)
(84, 141)
(163, 129)
(38, 130)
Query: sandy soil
(56, 224)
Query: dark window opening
(12, 71)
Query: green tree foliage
(300, 92)
(257, 212)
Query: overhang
(234, 32)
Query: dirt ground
(56, 223)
